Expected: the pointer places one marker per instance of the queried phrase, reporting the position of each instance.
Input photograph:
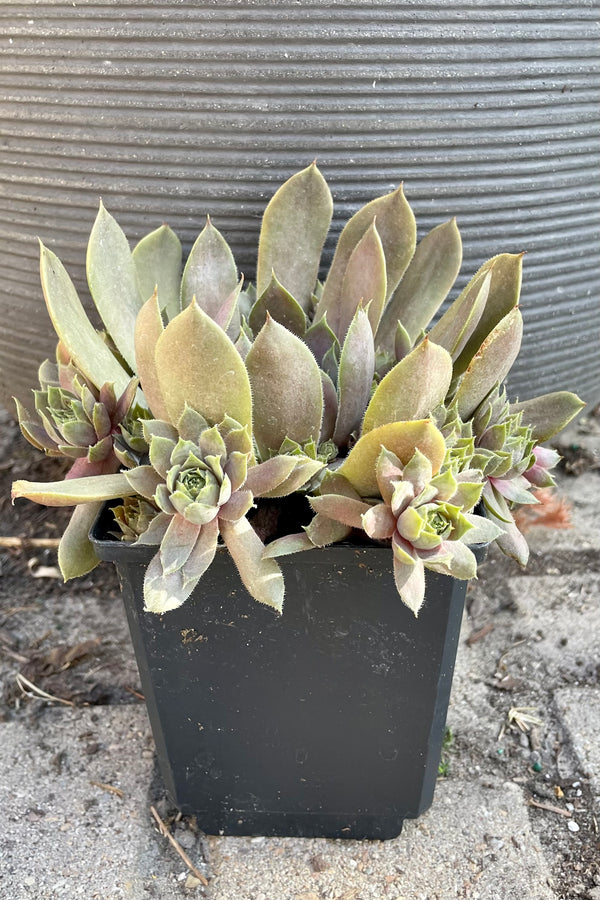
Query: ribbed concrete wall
(487, 110)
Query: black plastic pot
(325, 722)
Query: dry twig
(109, 787)
(135, 693)
(21, 543)
(165, 831)
(550, 808)
(29, 688)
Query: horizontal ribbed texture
(169, 110)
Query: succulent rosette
(425, 512)
(201, 480)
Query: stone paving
(516, 815)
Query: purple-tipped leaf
(364, 282)
(503, 296)
(210, 273)
(213, 381)
(458, 323)
(491, 364)
(278, 303)
(397, 230)
(425, 285)
(355, 378)
(294, 227)
(286, 389)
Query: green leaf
(76, 555)
(400, 438)
(72, 491)
(210, 274)
(267, 475)
(157, 260)
(549, 413)
(294, 227)
(364, 281)
(397, 230)
(286, 389)
(430, 274)
(112, 279)
(491, 364)
(262, 578)
(281, 306)
(412, 389)
(304, 471)
(459, 321)
(148, 329)
(197, 364)
(355, 378)
(503, 296)
(75, 331)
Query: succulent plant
(341, 390)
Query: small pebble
(572, 826)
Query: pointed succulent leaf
(216, 384)
(290, 543)
(143, 480)
(262, 578)
(163, 593)
(330, 408)
(402, 342)
(277, 302)
(413, 388)
(157, 260)
(401, 439)
(75, 331)
(491, 363)
(228, 315)
(210, 273)
(148, 329)
(342, 509)
(179, 541)
(73, 491)
(331, 363)
(397, 230)
(355, 377)
(460, 562)
(298, 216)
(378, 522)
(549, 413)
(286, 389)
(240, 503)
(364, 281)
(304, 471)
(320, 338)
(503, 296)
(76, 555)
(484, 531)
(113, 283)
(459, 321)
(425, 285)
(409, 576)
(267, 475)
(243, 342)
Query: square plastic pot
(325, 722)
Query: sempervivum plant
(341, 390)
